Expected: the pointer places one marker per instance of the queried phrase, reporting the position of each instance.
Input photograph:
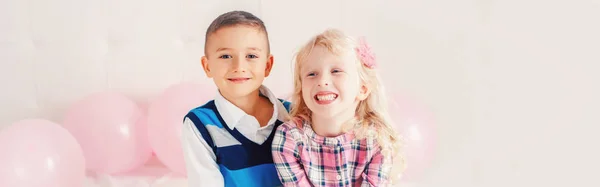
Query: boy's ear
(363, 92)
(269, 66)
(204, 62)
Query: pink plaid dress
(303, 158)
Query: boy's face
(238, 60)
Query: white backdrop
(512, 83)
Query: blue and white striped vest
(241, 161)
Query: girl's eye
(225, 56)
(252, 56)
(311, 74)
(336, 71)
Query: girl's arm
(287, 159)
(377, 171)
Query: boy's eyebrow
(255, 48)
(222, 49)
(250, 48)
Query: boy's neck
(247, 103)
(330, 126)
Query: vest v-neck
(243, 139)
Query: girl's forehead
(322, 56)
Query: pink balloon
(40, 153)
(111, 130)
(165, 119)
(416, 125)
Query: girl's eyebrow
(305, 69)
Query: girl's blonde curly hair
(372, 113)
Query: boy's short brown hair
(236, 18)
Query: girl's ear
(363, 92)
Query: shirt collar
(232, 114)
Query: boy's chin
(238, 92)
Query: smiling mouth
(238, 80)
(325, 98)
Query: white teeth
(327, 97)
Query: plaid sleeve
(286, 158)
(377, 171)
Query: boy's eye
(336, 71)
(251, 56)
(225, 56)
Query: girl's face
(331, 86)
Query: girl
(340, 134)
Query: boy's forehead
(237, 38)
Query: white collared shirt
(202, 169)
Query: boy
(227, 141)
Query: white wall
(511, 82)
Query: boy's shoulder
(208, 105)
(286, 104)
(283, 100)
(205, 114)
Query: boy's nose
(239, 66)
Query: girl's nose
(323, 83)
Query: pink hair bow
(364, 52)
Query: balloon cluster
(108, 133)
(105, 133)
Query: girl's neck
(332, 126)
